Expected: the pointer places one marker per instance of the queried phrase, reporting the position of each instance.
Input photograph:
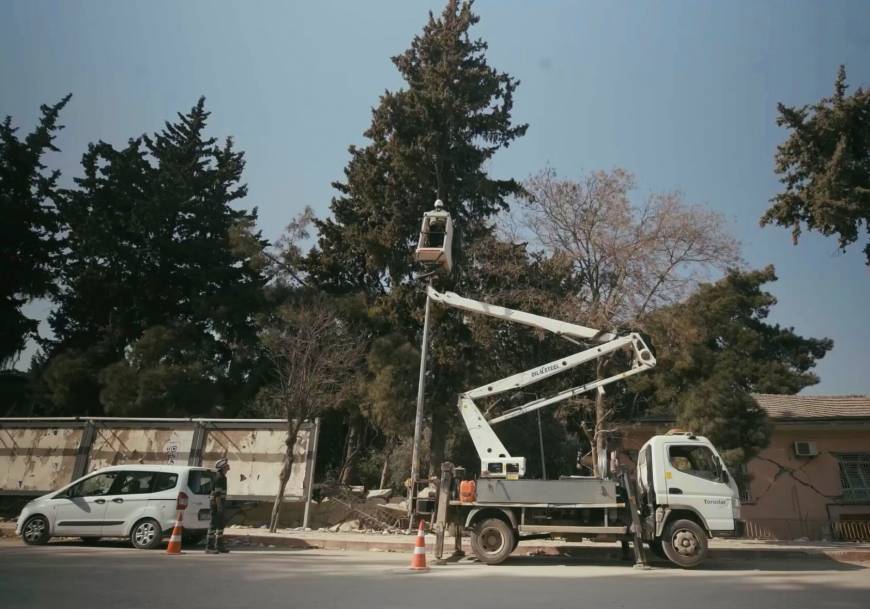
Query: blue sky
(683, 94)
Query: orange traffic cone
(418, 561)
(174, 546)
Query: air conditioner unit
(805, 449)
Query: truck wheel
(492, 541)
(657, 549)
(685, 543)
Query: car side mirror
(723, 476)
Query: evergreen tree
(716, 348)
(154, 291)
(825, 167)
(29, 231)
(431, 139)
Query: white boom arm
(495, 460)
(561, 328)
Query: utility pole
(541, 444)
(312, 464)
(433, 251)
(418, 421)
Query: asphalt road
(70, 576)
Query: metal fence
(789, 529)
(851, 530)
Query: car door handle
(117, 500)
(100, 501)
(675, 491)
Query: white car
(134, 501)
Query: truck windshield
(694, 460)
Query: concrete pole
(311, 465)
(418, 421)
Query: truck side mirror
(723, 473)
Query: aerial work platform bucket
(436, 239)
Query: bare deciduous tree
(313, 355)
(627, 259)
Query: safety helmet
(221, 463)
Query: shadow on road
(717, 563)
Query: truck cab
(686, 494)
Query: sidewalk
(729, 549)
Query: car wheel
(35, 531)
(685, 543)
(146, 534)
(492, 541)
(91, 541)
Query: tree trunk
(354, 446)
(347, 456)
(286, 468)
(388, 449)
(600, 446)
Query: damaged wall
(41, 455)
(256, 457)
(118, 445)
(792, 497)
(37, 458)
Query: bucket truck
(681, 493)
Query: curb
(578, 552)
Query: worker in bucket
(215, 543)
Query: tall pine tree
(430, 140)
(29, 230)
(154, 292)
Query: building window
(855, 477)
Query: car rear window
(165, 481)
(200, 481)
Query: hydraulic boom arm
(495, 460)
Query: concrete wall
(41, 455)
(33, 459)
(256, 457)
(117, 445)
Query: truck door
(693, 478)
(645, 482)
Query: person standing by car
(215, 543)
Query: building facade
(813, 479)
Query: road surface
(112, 576)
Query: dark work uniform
(217, 502)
